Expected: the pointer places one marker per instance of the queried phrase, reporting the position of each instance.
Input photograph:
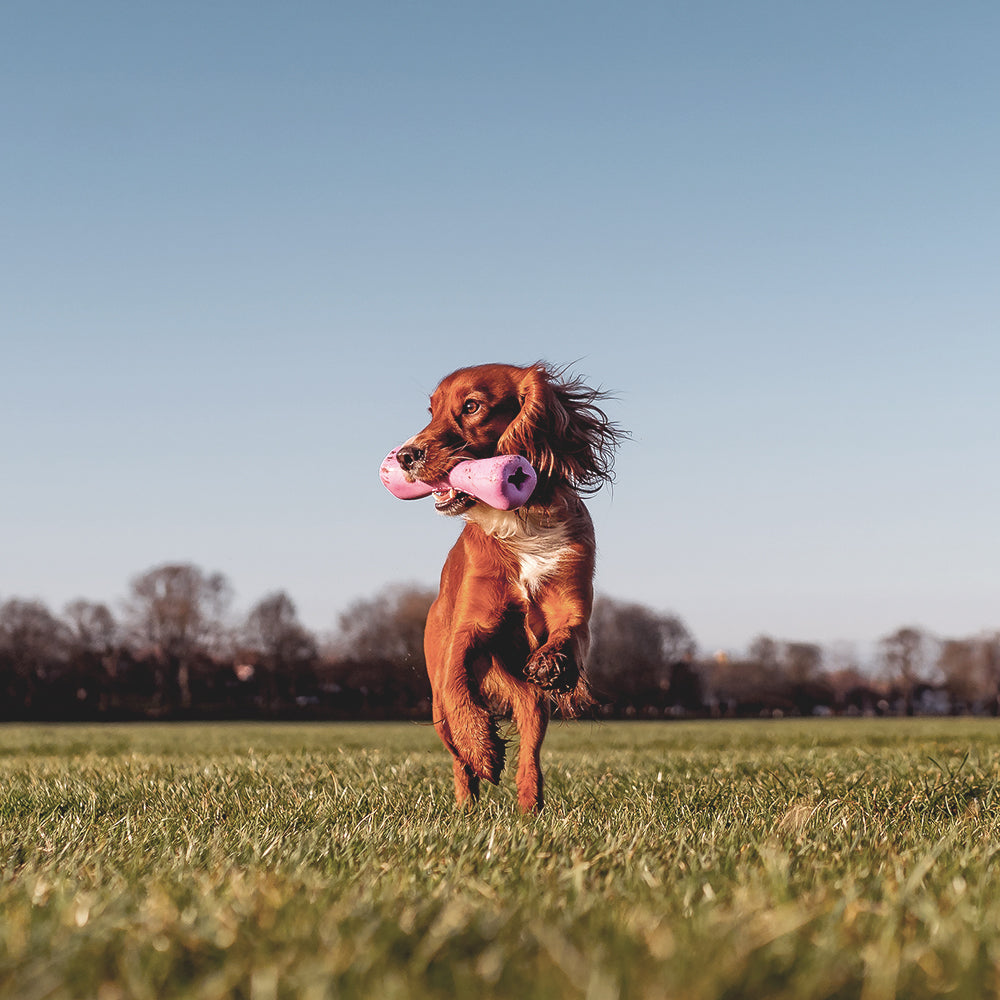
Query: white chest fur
(538, 547)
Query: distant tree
(634, 650)
(92, 626)
(959, 667)
(33, 652)
(773, 676)
(802, 662)
(388, 626)
(990, 671)
(94, 650)
(759, 680)
(842, 656)
(791, 663)
(749, 683)
(971, 671)
(908, 657)
(766, 653)
(853, 688)
(378, 653)
(176, 612)
(282, 646)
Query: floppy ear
(538, 428)
(562, 431)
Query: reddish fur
(492, 647)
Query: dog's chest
(536, 565)
(538, 548)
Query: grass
(717, 860)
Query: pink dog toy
(504, 482)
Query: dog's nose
(408, 456)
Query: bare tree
(94, 648)
(908, 656)
(971, 669)
(635, 649)
(378, 653)
(283, 647)
(802, 662)
(751, 682)
(388, 626)
(93, 626)
(766, 653)
(959, 665)
(175, 611)
(33, 649)
(792, 663)
(774, 676)
(990, 666)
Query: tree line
(174, 651)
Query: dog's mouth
(452, 502)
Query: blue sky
(241, 242)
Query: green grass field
(695, 860)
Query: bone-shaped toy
(503, 482)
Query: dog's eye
(471, 406)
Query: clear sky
(241, 242)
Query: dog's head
(487, 410)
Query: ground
(801, 859)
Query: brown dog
(509, 629)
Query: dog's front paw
(552, 668)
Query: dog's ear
(562, 431)
(540, 423)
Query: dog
(508, 633)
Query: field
(695, 860)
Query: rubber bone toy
(503, 482)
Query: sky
(240, 244)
